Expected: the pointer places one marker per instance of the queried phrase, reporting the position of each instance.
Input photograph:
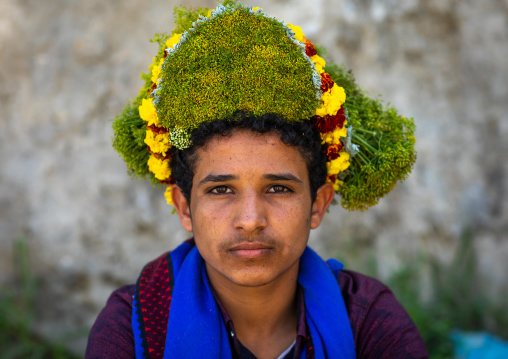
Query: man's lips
(250, 250)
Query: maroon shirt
(303, 338)
(381, 327)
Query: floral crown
(217, 62)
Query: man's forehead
(240, 135)
(248, 151)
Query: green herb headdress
(217, 62)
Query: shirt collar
(301, 326)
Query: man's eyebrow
(282, 177)
(217, 178)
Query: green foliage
(130, 130)
(18, 314)
(215, 73)
(184, 17)
(458, 298)
(386, 142)
(128, 140)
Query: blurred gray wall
(68, 66)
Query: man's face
(250, 208)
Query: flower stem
(373, 133)
(362, 157)
(363, 142)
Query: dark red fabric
(381, 327)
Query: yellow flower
(255, 8)
(156, 71)
(298, 32)
(339, 164)
(336, 184)
(157, 143)
(147, 112)
(167, 195)
(160, 168)
(209, 13)
(175, 38)
(319, 62)
(333, 137)
(332, 100)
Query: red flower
(157, 130)
(326, 82)
(168, 181)
(332, 178)
(159, 156)
(332, 151)
(154, 86)
(310, 49)
(328, 123)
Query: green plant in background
(18, 314)
(458, 298)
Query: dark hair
(295, 133)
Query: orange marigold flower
(332, 151)
(329, 123)
(326, 82)
(310, 49)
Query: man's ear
(182, 207)
(324, 198)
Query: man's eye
(278, 189)
(220, 190)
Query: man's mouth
(250, 250)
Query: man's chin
(250, 273)
(255, 276)
(246, 276)
(252, 282)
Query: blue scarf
(196, 329)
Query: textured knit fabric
(381, 327)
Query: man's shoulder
(381, 326)
(364, 295)
(111, 335)
(359, 289)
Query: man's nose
(250, 213)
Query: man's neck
(264, 316)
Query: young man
(250, 185)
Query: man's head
(245, 189)
(234, 74)
(234, 68)
(300, 135)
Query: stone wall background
(68, 66)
